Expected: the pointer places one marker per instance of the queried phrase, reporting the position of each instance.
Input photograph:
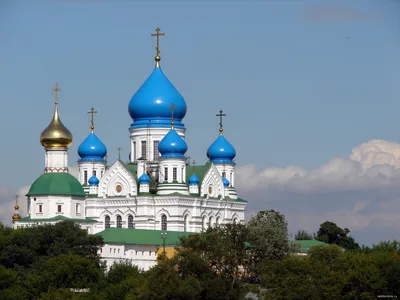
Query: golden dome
(56, 135)
(16, 216)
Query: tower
(92, 152)
(149, 109)
(221, 153)
(56, 139)
(56, 193)
(172, 173)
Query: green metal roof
(56, 184)
(57, 218)
(141, 236)
(304, 245)
(200, 171)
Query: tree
(303, 235)
(268, 237)
(330, 233)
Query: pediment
(212, 184)
(117, 181)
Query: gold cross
(56, 89)
(158, 34)
(172, 109)
(92, 112)
(119, 152)
(220, 115)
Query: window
(144, 150)
(119, 221)
(85, 177)
(156, 154)
(101, 174)
(94, 172)
(185, 223)
(210, 190)
(163, 222)
(165, 174)
(182, 177)
(77, 208)
(224, 174)
(134, 151)
(40, 208)
(59, 208)
(204, 223)
(230, 178)
(174, 174)
(107, 222)
(218, 222)
(211, 222)
(130, 222)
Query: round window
(118, 188)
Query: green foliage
(330, 233)
(303, 235)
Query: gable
(212, 184)
(117, 181)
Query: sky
(310, 88)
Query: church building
(158, 189)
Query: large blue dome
(221, 151)
(150, 105)
(92, 149)
(172, 145)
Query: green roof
(57, 218)
(56, 184)
(304, 245)
(200, 171)
(141, 236)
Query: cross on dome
(92, 112)
(172, 109)
(56, 89)
(157, 58)
(221, 127)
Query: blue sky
(302, 82)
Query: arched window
(185, 223)
(130, 222)
(211, 220)
(204, 223)
(119, 221)
(218, 222)
(163, 222)
(107, 222)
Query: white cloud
(358, 191)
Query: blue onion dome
(144, 179)
(92, 149)
(93, 181)
(172, 145)
(193, 180)
(221, 151)
(150, 105)
(225, 181)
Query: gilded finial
(56, 135)
(193, 165)
(172, 108)
(92, 112)
(157, 58)
(221, 127)
(16, 216)
(119, 152)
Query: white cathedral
(158, 189)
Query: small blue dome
(93, 181)
(150, 105)
(225, 181)
(221, 151)
(144, 179)
(172, 145)
(193, 180)
(92, 149)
